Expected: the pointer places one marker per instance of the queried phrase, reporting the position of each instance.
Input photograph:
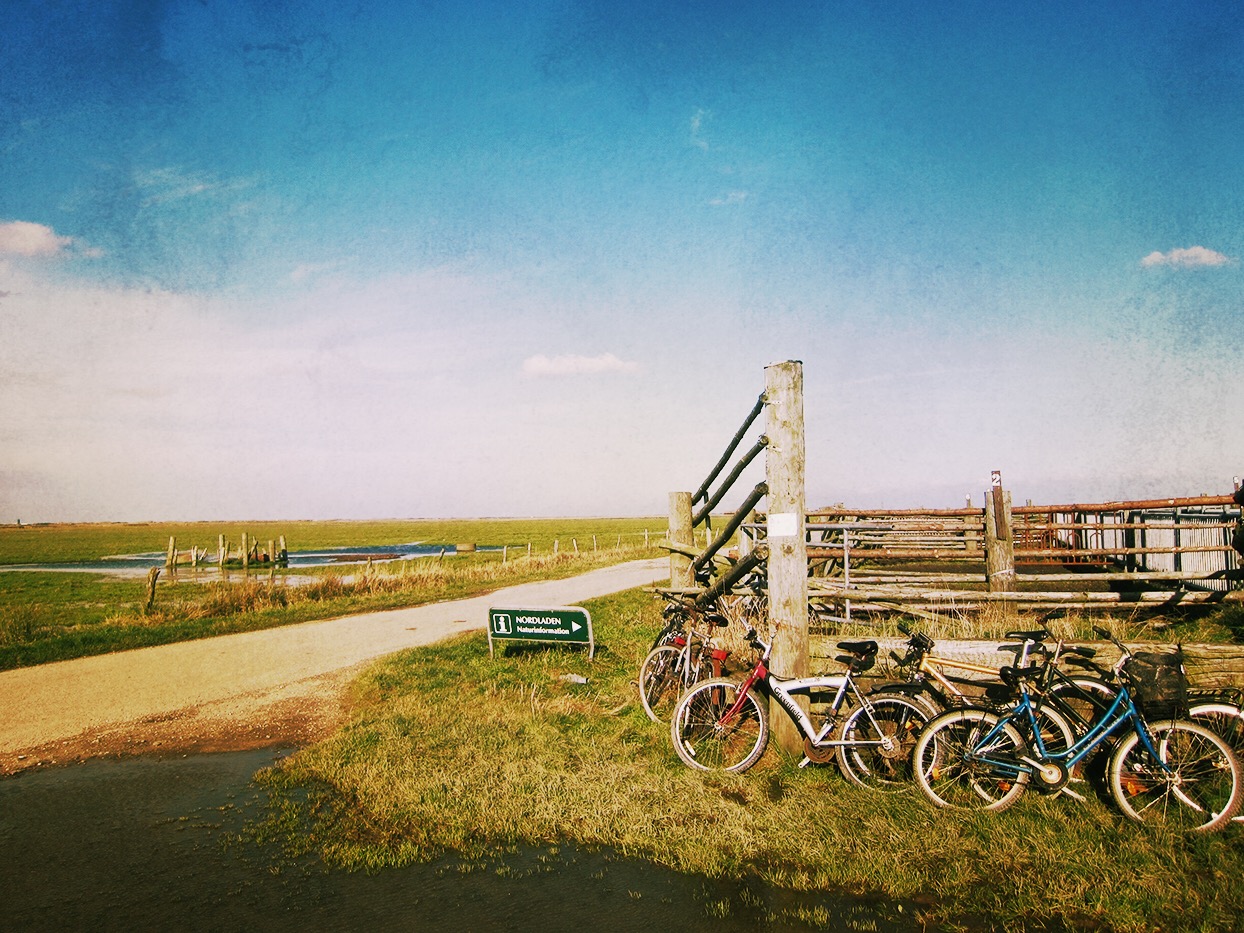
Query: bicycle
(927, 683)
(723, 725)
(686, 657)
(1166, 770)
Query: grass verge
(454, 751)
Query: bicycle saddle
(1011, 676)
(1038, 635)
(861, 649)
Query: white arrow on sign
(575, 626)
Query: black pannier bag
(1158, 683)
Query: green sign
(562, 623)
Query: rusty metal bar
(734, 442)
(1031, 527)
(887, 513)
(1121, 551)
(742, 465)
(1132, 505)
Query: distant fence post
(787, 535)
(999, 541)
(680, 533)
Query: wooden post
(246, 552)
(221, 552)
(529, 549)
(680, 532)
(787, 536)
(999, 543)
(505, 553)
(575, 543)
(171, 557)
(152, 575)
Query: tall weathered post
(680, 534)
(787, 518)
(999, 541)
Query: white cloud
(1191, 257)
(541, 365)
(22, 238)
(697, 124)
(734, 197)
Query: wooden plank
(1207, 666)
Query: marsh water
(137, 565)
(157, 844)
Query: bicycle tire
(704, 741)
(953, 769)
(665, 673)
(1202, 794)
(867, 761)
(1222, 717)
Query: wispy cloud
(1192, 257)
(697, 124)
(733, 197)
(23, 238)
(541, 365)
(163, 185)
(307, 271)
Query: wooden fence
(1153, 551)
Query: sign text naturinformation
(559, 623)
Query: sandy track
(282, 685)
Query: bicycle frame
(1122, 711)
(784, 691)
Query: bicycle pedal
(806, 761)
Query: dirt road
(282, 685)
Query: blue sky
(329, 260)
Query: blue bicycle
(1167, 770)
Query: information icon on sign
(501, 624)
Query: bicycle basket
(1158, 683)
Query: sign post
(567, 624)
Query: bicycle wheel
(1193, 785)
(1223, 718)
(663, 676)
(709, 737)
(877, 741)
(969, 759)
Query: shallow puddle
(150, 844)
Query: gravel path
(281, 685)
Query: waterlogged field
(72, 543)
(48, 616)
(454, 751)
